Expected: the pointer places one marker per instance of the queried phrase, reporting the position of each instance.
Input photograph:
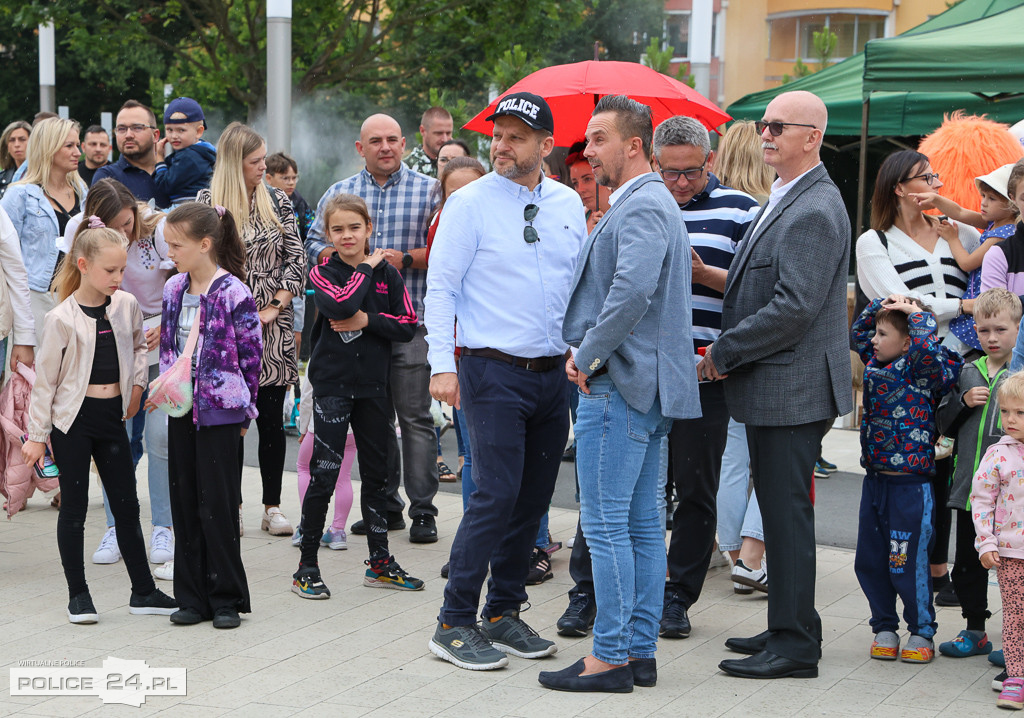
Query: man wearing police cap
(501, 263)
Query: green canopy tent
(895, 111)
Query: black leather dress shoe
(768, 665)
(645, 671)
(750, 646)
(617, 680)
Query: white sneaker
(571, 542)
(108, 552)
(757, 580)
(241, 522)
(275, 522)
(165, 572)
(719, 559)
(161, 545)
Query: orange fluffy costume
(964, 147)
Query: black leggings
(98, 433)
(370, 420)
(970, 578)
(271, 448)
(943, 514)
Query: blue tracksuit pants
(893, 540)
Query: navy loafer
(617, 680)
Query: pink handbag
(172, 390)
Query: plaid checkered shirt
(400, 211)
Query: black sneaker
(540, 568)
(81, 609)
(674, 621)
(187, 617)
(578, 618)
(947, 596)
(395, 523)
(940, 582)
(444, 569)
(424, 529)
(226, 617)
(156, 603)
(997, 682)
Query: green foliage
(661, 61)
(512, 66)
(461, 113)
(824, 42)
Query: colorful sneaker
(107, 551)
(820, 473)
(1012, 695)
(308, 584)
(918, 650)
(540, 568)
(155, 603)
(388, 574)
(466, 647)
(966, 644)
(997, 682)
(510, 634)
(827, 465)
(334, 540)
(996, 658)
(886, 646)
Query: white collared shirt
(620, 191)
(779, 190)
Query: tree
(660, 60)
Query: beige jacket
(64, 361)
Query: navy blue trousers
(518, 424)
(894, 537)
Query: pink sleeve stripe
(337, 294)
(410, 314)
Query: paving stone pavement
(364, 652)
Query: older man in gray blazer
(784, 351)
(629, 319)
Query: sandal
(444, 473)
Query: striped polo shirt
(716, 220)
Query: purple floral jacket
(229, 349)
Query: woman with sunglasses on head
(906, 253)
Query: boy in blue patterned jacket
(906, 373)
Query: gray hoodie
(975, 429)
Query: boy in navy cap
(181, 175)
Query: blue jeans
(739, 516)
(159, 494)
(622, 460)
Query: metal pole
(279, 75)
(701, 22)
(47, 69)
(862, 172)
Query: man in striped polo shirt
(716, 218)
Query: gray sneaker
(466, 647)
(510, 634)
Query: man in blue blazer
(784, 349)
(629, 319)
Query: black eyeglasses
(928, 177)
(529, 214)
(776, 128)
(691, 174)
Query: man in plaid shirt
(401, 202)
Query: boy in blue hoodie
(906, 372)
(181, 175)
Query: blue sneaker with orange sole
(967, 643)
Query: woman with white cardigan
(916, 261)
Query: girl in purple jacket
(203, 243)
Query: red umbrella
(573, 91)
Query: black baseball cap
(528, 107)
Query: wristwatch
(276, 303)
(406, 260)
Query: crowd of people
(654, 294)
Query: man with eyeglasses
(783, 353)
(629, 321)
(501, 264)
(716, 218)
(136, 134)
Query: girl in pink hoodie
(997, 507)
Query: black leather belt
(530, 364)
